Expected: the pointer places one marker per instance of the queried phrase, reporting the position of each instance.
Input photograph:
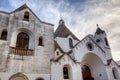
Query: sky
(80, 16)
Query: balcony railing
(22, 52)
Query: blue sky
(80, 16)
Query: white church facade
(31, 50)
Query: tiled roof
(63, 31)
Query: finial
(61, 22)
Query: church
(30, 49)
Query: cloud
(80, 16)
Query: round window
(89, 46)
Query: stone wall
(39, 62)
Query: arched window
(65, 73)
(71, 43)
(115, 73)
(106, 41)
(4, 35)
(98, 40)
(22, 40)
(26, 16)
(40, 41)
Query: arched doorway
(18, 76)
(95, 69)
(86, 73)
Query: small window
(65, 73)
(26, 16)
(115, 73)
(40, 41)
(71, 43)
(98, 40)
(4, 35)
(106, 42)
(57, 53)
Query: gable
(87, 39)
(19, 14)
(82, 48)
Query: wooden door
(86, 73)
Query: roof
(4, 12)
(56, 60)
(58, 47)
(99, 31)
(110, 60)
(24, 6)
(63, 31)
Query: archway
(96, 68)
(17, 32)
(18, 76)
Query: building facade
(31, 50)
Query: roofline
(34, 15)
(71, 33)
(4, 12)
(113, 61)
(70, 51)
(62, 56)
(92, 40)
(47, 23)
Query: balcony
(21, 51)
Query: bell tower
(101, 39)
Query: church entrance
(86, 73)
(18, 76)
(93, 67)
